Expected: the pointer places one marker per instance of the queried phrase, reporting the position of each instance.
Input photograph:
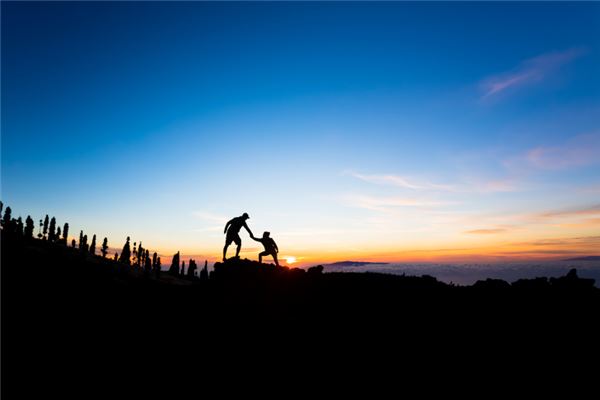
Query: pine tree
(84, 245)
(182, 272)
(58, 235)
(52, 231)
(158, 267)
(148, 263)
(40, 232)
(46, 221)
(174, 269)
(19, 227)
(116, 256)
(80, 239)
(154, 260)
(29, 227)
(204, 272)
(134, 259)
(7, 218)
(126, 253)
(73, 243)
(104, 247)
(93, 246)
(141, 254)
(66, 233)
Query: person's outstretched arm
(249, 231)
(227, 226)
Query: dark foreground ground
(71, 320)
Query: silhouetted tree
(116, 256)
(134, 259)
(158, 267)
(18, 227)
(7, 218)
(66, 233)
(40, 232)
(104, 247)
(29, 227)
(58, 239)
(204, 272)
(182, 272)
(46, 222)
(141, 255)
(84, 246)
(174, 269)
(191, 272)
(80, 239)
(52, 231)
(93, 246)
(126, 253)
(154, 256)
(148, 263)
(73, 243)
(1, 207)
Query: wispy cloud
(399, 181)
(486, 231)
(533, 70)
(579, 151)
(572, 212)
(461, 186)
(388, 202)
(210, 217)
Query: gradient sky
(386, 131)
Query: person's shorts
(233, 237)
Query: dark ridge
(587, 258)
(353, 263)
(72, 317)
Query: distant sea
(467, 274)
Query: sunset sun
(290, 259)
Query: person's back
(269, 244)
(236, 224)
(270, 247)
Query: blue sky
(375, 130)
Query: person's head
(266, 234)
(245, 216)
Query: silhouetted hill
(353, 264)
(64, 305)
(588, 258)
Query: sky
(429, 132)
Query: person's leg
(238, 241)
(260, 256)
(225, 251)
(275, 258)
(227, 243)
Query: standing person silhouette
(232, 229)
(270, 247)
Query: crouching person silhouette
(232, 229)
(270, 247)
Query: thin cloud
(573, 212)
(387, 203)
(210, 217)
(486, 231)
(399, 181)
(531, 71)
(580, 151)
